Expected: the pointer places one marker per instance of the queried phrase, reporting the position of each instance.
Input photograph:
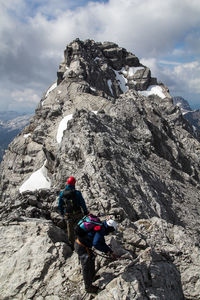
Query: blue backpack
(87, 224)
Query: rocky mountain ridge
(107, 122)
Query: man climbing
(92, 238)
(72, 207)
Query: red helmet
(71, 181)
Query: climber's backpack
(87, 224)
(71, 203)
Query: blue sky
(164, 35)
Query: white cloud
(192, 43)
(22, 100)
(152, 64)
(189, 75)
(148, 26)
(25, 96)
(34, 34)
(168, 62)
(181, 78)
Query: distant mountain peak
(11, 123)
(192, 116)
(182, 103)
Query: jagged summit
(106, 67)
(134, 157)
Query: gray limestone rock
(107, 122)
(34, 251)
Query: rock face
(109, 124)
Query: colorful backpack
(87, 224)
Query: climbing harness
(89, 250)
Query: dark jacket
(96, 239)
(78, 196)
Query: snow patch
(27, 135)
(131, 71)
(62, 127)
(127, 75)
(110, 86)
(184, 112)
(153, 90)
(54, 85)
(194, 129)
(133, 81)
(179, 104)
(38, 180)
(93, 89)
(122, 81)
(67, 71)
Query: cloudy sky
(164, 35)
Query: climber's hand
(115, 256)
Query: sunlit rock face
(107, 122)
